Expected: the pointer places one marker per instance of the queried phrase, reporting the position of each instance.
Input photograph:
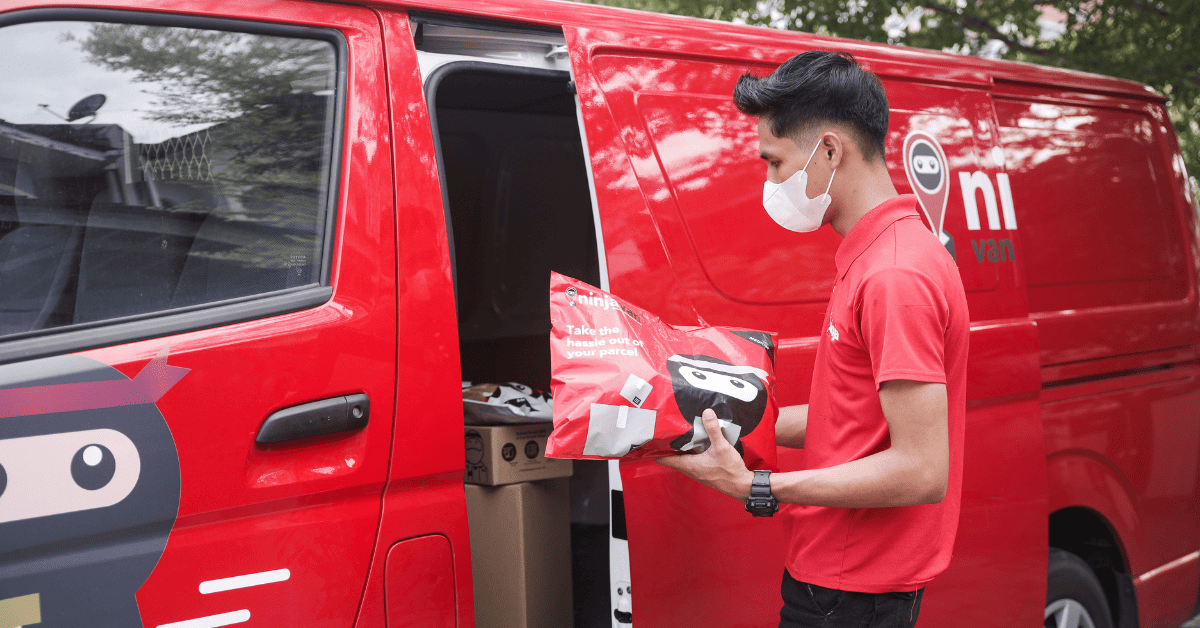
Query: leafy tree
(1150, 41)
(265, 100)
(207, 76)
(266, 106)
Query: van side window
(1096, 229)
(149, 168)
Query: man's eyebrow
(766, 156)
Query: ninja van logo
(928, 174)
(604, 302)
(737, 394)
(89, 489)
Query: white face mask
(788, 204)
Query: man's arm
(913, 470)
(791, 426)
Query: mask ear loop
(832, 174)
(810, 158)
(811, 155)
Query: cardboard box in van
(521, 554)
(504, 454)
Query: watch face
(762, 507)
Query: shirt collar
(870, 226)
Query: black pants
(811, 606)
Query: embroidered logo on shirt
(833, 332)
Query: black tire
(1074, 597)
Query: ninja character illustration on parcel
(627, 385)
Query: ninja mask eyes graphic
(623, 613)
(89, 493)
(737, 394)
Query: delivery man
(874, 517)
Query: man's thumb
(712, 426)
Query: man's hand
(719, 467)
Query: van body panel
(424, 493)
(262, 530)
(632, 259)
(717, 38)
(1132, 438)
(1084, 479)
(697, 154)
(1091, 303)
(1159, 591)
(420, 584)
(1118, 335)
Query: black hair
(814, 87)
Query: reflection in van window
(148, 168)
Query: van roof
(928, 64)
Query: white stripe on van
(241, 582)
(212, 621)
(1178, 562)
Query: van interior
(519, 206)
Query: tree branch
(980, 24)
(1149, 9)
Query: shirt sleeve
(903, 318)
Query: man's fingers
(684, 464)
(713, 427)
(687, 463)
(669, 461)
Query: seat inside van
(519, 206)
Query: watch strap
(760, 486)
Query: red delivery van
(250, 251)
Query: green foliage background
(267, 102)
(1156, 42)
(268, 132)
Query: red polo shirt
(897, 311)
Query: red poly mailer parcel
(627, 385)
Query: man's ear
(833, 146)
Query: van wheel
(1074, 598)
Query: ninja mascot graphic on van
(737, 394)
(89, 489)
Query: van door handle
(316, 418)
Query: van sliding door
(692, 552)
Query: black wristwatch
(761, 502)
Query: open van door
(692, 552)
